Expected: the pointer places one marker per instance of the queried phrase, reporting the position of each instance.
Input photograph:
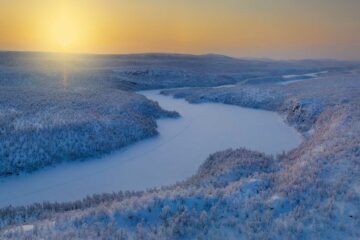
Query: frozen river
(182, 145)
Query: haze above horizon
(279, 29)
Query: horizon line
(179, 54)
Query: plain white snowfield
(174, 155)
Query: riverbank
(45, 126)
(56, 108)
(310, 192)
(171, 157)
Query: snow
(42, 126)
(302, 77)
(25, 228)
(225, 86)
(310, 192)
(173, 156)
(313, 75)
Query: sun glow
(64, 31)
(245, 28)
(67, 30)
(64, 26)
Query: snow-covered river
(174, 155)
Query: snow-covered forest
(56, 108)
(45, 126)
(310, 192)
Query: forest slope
(309, 193)
(44, 126)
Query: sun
(67, 28)
(65, 31)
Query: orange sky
(244, 28)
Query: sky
(280, 29)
